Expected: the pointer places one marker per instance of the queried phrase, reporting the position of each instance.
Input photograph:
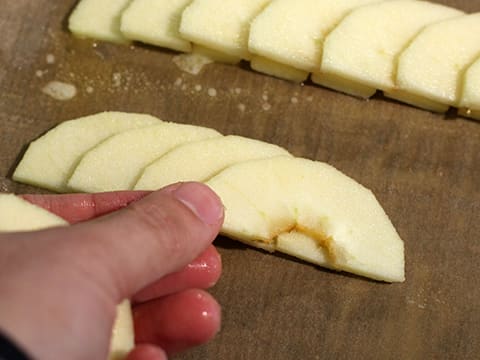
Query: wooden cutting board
(423, 167)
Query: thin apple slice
(432, 66)
(117, 163)
(312, 211)
(50, 160)
(363, 49)
(469, 104)
(155, 22)
(199, 161)
(292, 33)
(98, 19)
(17, 214)
(221, 25)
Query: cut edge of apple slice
(346, 86)
(86, 21)
(137, 30)
(123, 339)
(215, 55)
(416, 100)
(276, 69)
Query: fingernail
(202, 201)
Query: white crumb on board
(198, 87)
(50, 59)
(241, 107)
(265, 97)
(178, 82)
(191, 63)
(89, 89)
(266, 106)
(60, 90)
(294, 100)
(116, 79)
(212, 92)
(238, 91)
(39, 73)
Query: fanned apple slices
(199, 161)
(470, 99)
(312, 211)
(17, 214)
(49, 161)
(221, 25)
(116, 163)
(155, 22)
(286, 38)
(362, 50)
(433, 65)
(98, 19)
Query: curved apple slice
(17, 214)
(312, 211)
(98, 19)
(199, 161)
(116, 163)
(470, 100)
(50, 160)
(221, 25)
(432, 66)
(363, 48)
(155, 22)
(292, 33)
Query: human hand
(60, 286)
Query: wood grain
(423, 167)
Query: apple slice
(292, 34)
(117, 163)
(17, 214)
(221, 25)
(470, 100)
(363, 49)
(279, 70)
(50, 160)
(312, 211)
(199, 161)
(155, 22)
(432, 66)
(98, 19)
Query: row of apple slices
(418, 52)
(273, 200)
(17, 214)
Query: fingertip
(147, 352)
(202, 201)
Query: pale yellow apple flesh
(469, 104)
(50, 160)
(17, 214)
(432, 66)
(279, 70)
(199, 161)
(98, 19)
(304, 206)
(155, 22)
(292, 32)
(365, 45)
(117, 163)
(221, 25)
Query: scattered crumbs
(422, 306)
(468, 112)
(132, 47)
(309, 98)
(60, 90)
(39, 73)
(116, 79)
(238, 91)
(50, 58)
(241, 107)
(302, 84)
(184, 87)
(94, 45)
(265, 97)
(178, 82)
(191, 63)
(294, 100)
(266, 106)
(198, 87)
(72, 75)
(89, 89)
(212, 92)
